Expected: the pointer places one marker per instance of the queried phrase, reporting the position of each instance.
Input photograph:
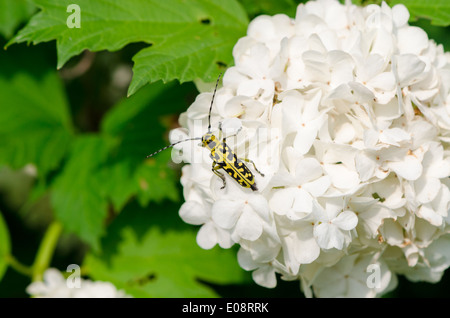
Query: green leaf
(116, 183)
(35, 123)
(135, 123)
(157, 181)
(5, 246)
(197, 50)
(12, 13)
(152, 254)
(76, 193)
(188, 39)
(438, 11)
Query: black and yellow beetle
(222, 155)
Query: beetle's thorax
(209, 141)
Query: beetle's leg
(254, 166)
(214, 169)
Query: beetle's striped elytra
(222, 155)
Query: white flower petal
(427, 188)
(193, 212)
(317, 187)
(346, 220)
(303, 201)
(400, 15)
(371, 138)
(260, 205)
(371, 219)
(53, 277)
(328, 236)
(410, 168)
(392, 232)
(342, 177)
(245, 260)
(282, 200)
(290, 247)
(412, 40)
(266, 248)
(225, 213)
(207, 236)
(365, 166)
(394, 136)
(361, 92)
(345, 133)
(440, 169)
(427, 212)
(305, 139)
(265, 276)
(224, 238)
(249, 226)
(383, 82)
(307, 250)
(37, 288)
(409, 69)
(307, 169)
(261, 28)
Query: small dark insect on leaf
(205, 21)
(221, 64)
(143, 280)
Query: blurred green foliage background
(73, 147)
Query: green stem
(18, 266)
(46, 250)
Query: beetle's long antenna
(212, 101)
(171, 145)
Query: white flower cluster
(346, 112)
(56, 286)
